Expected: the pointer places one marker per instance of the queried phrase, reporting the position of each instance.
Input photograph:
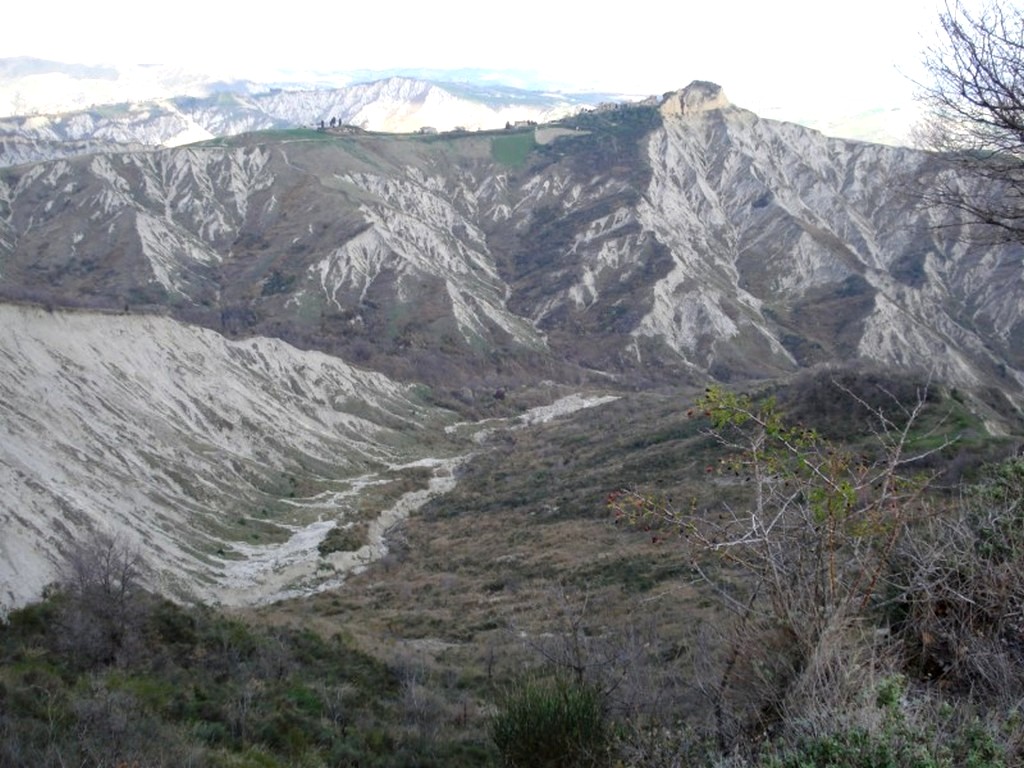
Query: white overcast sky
(803, 57)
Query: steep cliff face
(826, 249)
(188, 447)
(639, 243)
(156, 386)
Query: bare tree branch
(975, 105)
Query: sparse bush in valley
(551, 723)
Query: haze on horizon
(798, 60)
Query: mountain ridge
(751, 226)
(395, 105)
(182, 444)
(634, 247)
(53, 109)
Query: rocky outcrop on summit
(698, 96)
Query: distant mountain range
(251, 306)
(30, 86)
(52, 109)
(57, 110)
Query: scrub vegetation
(644, 583)
(157, 684)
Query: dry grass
(522, 567)
(491, 579)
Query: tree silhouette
(975, 108)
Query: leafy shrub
(545, 723)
